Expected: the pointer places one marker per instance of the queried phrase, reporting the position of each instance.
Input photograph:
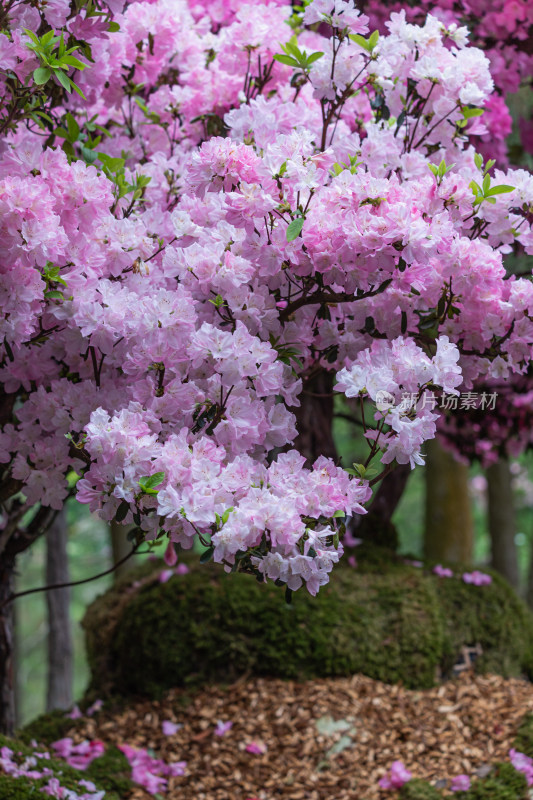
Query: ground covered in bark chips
(330, 739)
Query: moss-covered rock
(387, 620)
(524, 739)
(419, 790)
(503, 783)
(47, 728)
(110, 772)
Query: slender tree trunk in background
(529, 587)
(314, 418)
(7, 674)
(60, 649)
(120, 548)
(449, 530)
(502, 521)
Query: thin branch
(72, 583)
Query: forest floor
(330, 739)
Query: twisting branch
(51, 586)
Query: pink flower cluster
(80, 755)
(397, 776)
(32, 768)
(523, 764)
(149, 772)
(477, 578)
(243, 222)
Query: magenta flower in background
(165, 575)
(170, 728)
(352, 561)
(398, 775)
(182, 569)
(461, 783)
(442, 572)
(171, 557)
(75, 713)
(223, 727)
(256, 748)
(523, 764)
(80, 755)
(96, 706)
(477, 578)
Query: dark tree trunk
(314, 418)
(502, 521)
(449, 529)
(7, 673)
(60, 650)
(377, 526)
(120, 548)
(16, 541)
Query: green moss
(419, 790)
(524, 739)
(47, 728)
(111, 772)
(24, 788)
(504, 783)
(386, 619)
(491, 616)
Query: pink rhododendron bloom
(165, 575)
(397, 776)
(523, 764)
(477, 578)
(256, 748)
(80, 755)
(461, 783)
(442, 572)
(151, 773)
(182, 569)
(223, 727)
(169, 728)
(75, 713)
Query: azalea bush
(204, 206)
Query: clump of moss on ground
(386, 619)
(110, 772)
(419, 790)
(48, 728)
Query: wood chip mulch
(459, 727)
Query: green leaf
(338, 514)
(73, 62)
(291, 62)
(486, 184)
(149, 482)
(295, 228)
(54, 294)
(41, 75)
(113, 27)
(501, 189)
(78, 90)
(314, 57)
(73, 128)
(207, 555)
(110, 163)
(478, 160)
(361, 41)
(468, 113)
(63, 80)
(122, 510)
(32, 36)
(373, 40)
